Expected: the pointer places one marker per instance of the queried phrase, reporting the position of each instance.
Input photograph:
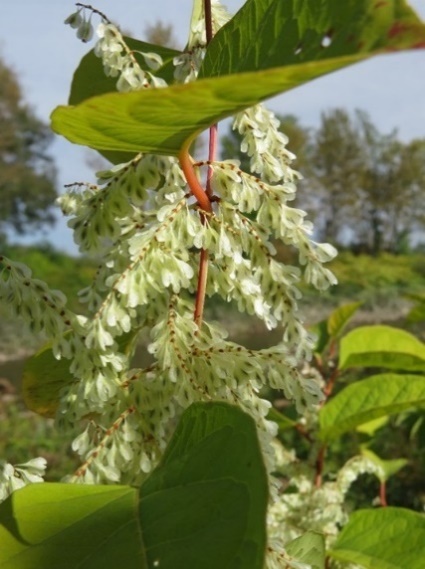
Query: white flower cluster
(117, 58)
(305, 507)
(274, 217)
(43, 309)
(187, 64)
(14, 477)
(265, 144)
(148, 232)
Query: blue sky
(44, 52)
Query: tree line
(365, 188)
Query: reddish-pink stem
(383, 494)
(205, 204)
(212, 151)
(319, 466)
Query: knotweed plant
(170, 233)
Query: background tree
(367, 186)
(161, 34)
(393, 189)
(27, 173)
(334, 173)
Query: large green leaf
(69, 526)
(44, 376)
(162, 120)
(204, 506)
(90, 80)
(386, 538)
(272, 33)
(382, 346)
(377, 396)
(309, 549)
(216, 442)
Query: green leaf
(382, 346)
(417, 313)
(204, 506)
(90, 80)
(44, 376)
(163, 120)
(387, 467)
(377, 396)
(70, 526)
(332, 328)
(309, 548)
(371, 427)
(340, 317)
(284, 423)
(272, 33)
(386, 538)
(215, 442)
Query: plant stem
(202, 196)
(205, 205)
(331, 383)
(319, 466)
(208, 20)
(383, 494)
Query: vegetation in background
(27, 172)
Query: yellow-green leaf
(385, 538)
(382, 346)
(365, 400)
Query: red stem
(331, 383)
(205, 204)
(212, 151)
(208, 20)
(383, 494)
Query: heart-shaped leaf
(204, 506)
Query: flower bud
(74, 20)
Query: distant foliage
(27, 172)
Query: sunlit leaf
(385, 538)
(332, 328)
(382, 346)
(52, 526)
(387, 468)
(163, 120)
(272, 33)
(365, 400)
(371, 427)
(204, 506)
(90, 79)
